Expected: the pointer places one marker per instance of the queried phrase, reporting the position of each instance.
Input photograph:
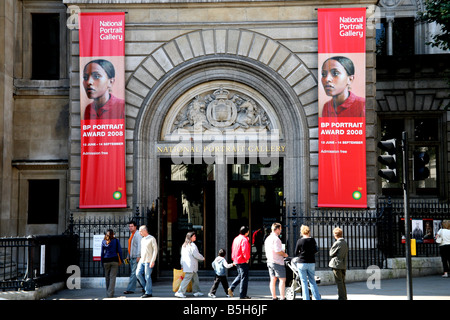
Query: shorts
(276, 270)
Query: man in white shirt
(149, 251)
(275, 261)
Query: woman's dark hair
(345, 62)
(106, 65)
(109, 235)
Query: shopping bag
(178, 276)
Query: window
(423, 136)
(45, 46)
(43, 201)
(402, 41)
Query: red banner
(102, 110)
(342, 122)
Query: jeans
(307, 272)
(242, 279)
(132, 281)
(144, 275)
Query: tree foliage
(438, 11)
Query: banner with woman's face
(102, 110)
(341, 107)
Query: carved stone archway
(243, 57)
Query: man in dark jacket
(338, 262)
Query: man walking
(134, 254)
(149, 251)
(240, 254)
(338, 262)
(275, 261)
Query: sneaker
(230, 293)
(198, 294)
(211, 295)
(445, 276)
(179, 295)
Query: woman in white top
(190, 256)
(443, 238)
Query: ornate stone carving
(222, 111)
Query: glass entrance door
(254, 200)
(188, 204)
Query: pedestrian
(149, 252)
(220, 266)
(110, 255)
(190, 256)
(305, 250)
(443, 238)
(338, 262)
(275, 261)
(240, 253)
(133, 256)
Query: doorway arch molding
(235, 55)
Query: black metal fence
(360, 232)
(35, 261)
(373, 234)
(86, 227)
(425, 220)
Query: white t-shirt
(273, 245)
(445, 235)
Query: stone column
(221, 205)
(6, 113)
(389, 34)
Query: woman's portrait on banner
(339, 78)
(103, 95)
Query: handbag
(118, 255)
(178, 276)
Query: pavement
(423, 288)
(385, 297)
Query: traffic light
(421, 159)
(389, 160)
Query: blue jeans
(132, 281)
(307, 272)
(144, 275)
(242, 279)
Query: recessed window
(423, 136)
(45, 46)
(43, 201)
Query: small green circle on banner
(117, 195)
(357, 195)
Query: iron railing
(35, 261)
(359, 228)
(86, 227)
(372, 234)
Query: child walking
(220, 265)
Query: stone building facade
(178, 56)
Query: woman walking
(190, 256)
(110, 254)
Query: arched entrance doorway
(165, 139)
